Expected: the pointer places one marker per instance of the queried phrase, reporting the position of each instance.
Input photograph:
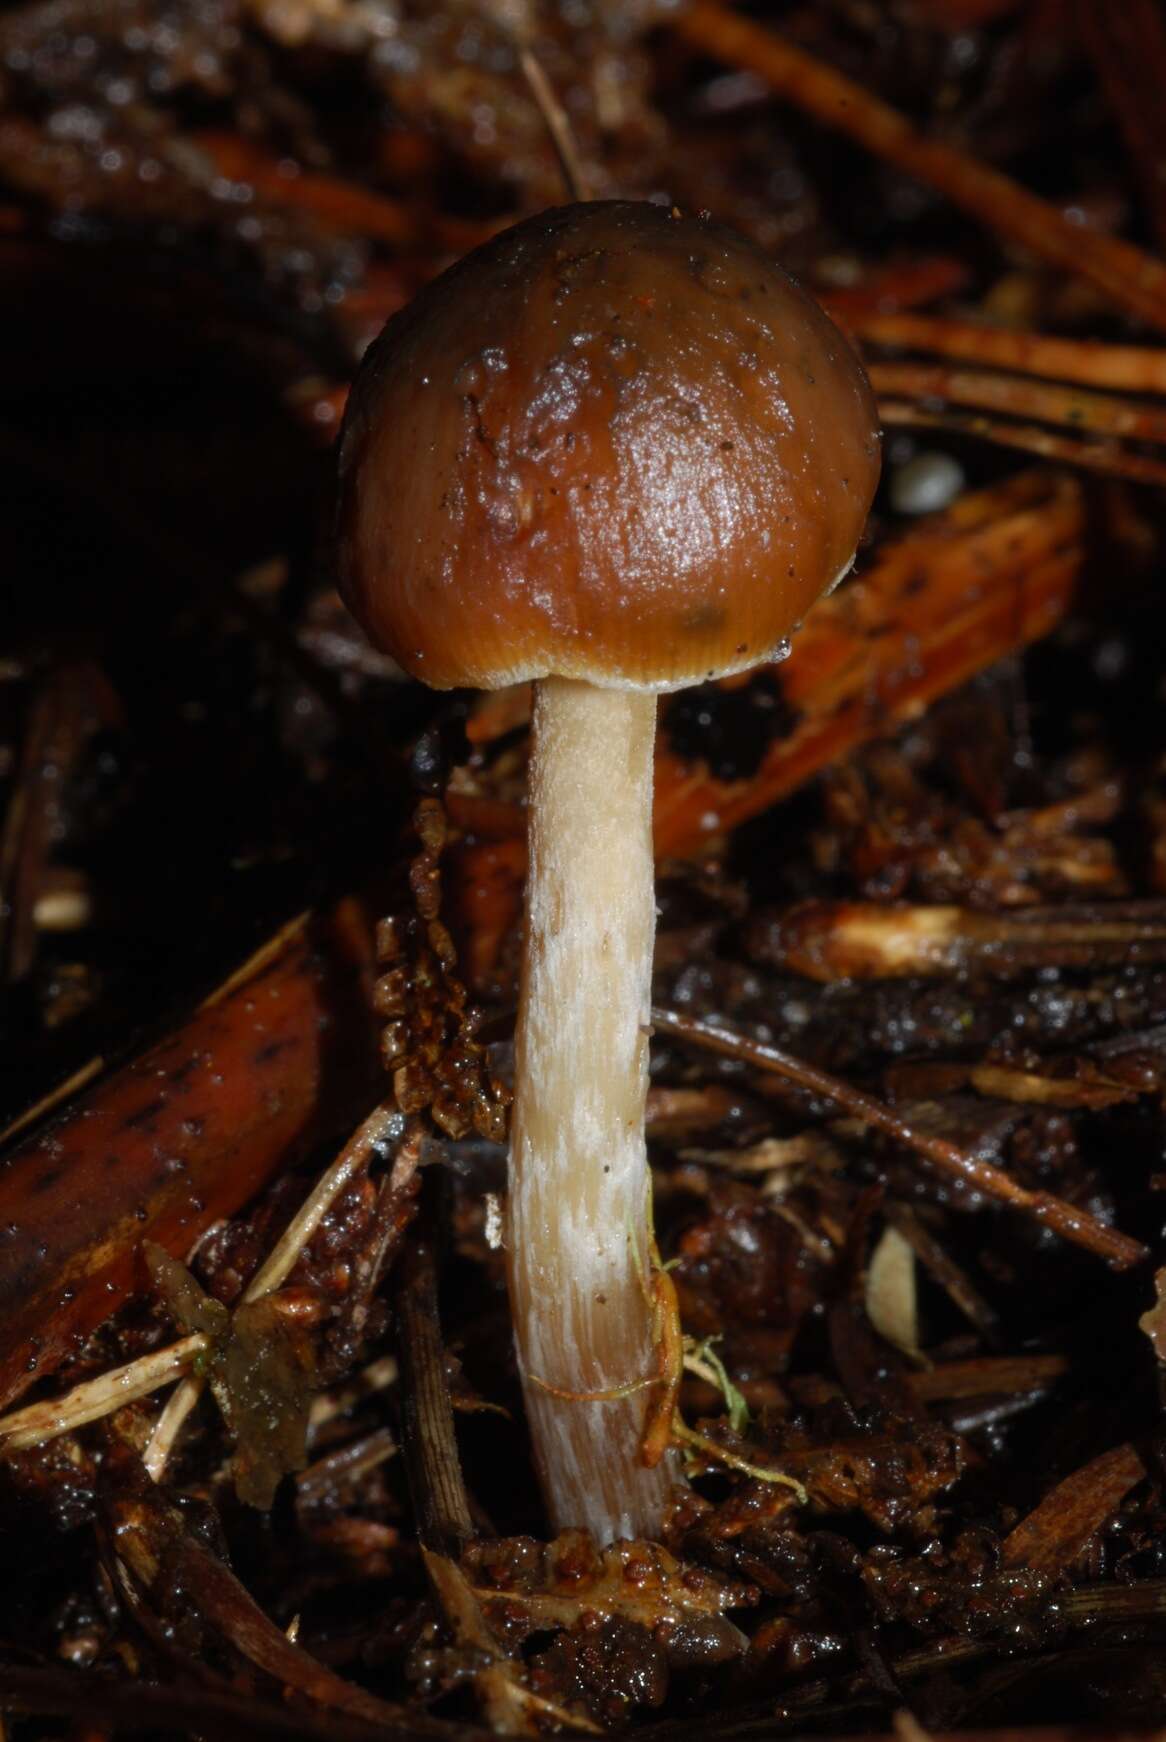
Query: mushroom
(616, 451)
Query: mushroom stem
(580, 1250)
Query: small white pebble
(926, 484)
(62, 910)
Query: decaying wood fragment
(183, 1134)
(443, 1514)
(990, 575)
(1052, 1536)
(987, 1376)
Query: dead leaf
(262, 1370)
(1153, 1320)
(891, 1294)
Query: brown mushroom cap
(611, 444)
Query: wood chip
(1051, 1538)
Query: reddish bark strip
(1050, 1538)
(182, 1135)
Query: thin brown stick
(556, 122)
(338, 205)
(1134, 280)
(987, 1376)
(1118, 1250)
(1020, 396)
(1030, 438)
(1088, 362)
(345, 1465)
(427, 1433)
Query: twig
(865, 940)
(987, 1376)
(556, 123)
(1136, 281)
(328, 1405)
(1029, 438)
(341, 206)
(1119, 1250)
(382, 1127)
(347, 1464)
(431, 1458)
(1079, 409)
(1088, 362)
(38, 1422)
(169, 1425)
